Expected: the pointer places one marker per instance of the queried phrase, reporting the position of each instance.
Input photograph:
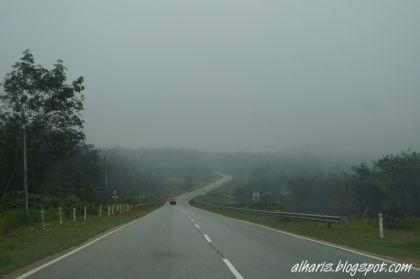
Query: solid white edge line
(316, 241)
(207, 238)
(197, 226)
(233, 269)
(71, 252)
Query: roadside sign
(255, 196)
(114, 192)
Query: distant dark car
(172, 202)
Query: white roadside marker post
(100, 210)
(60, 215)
(43, 219)
(84, 213)
(381, 225)
(74, 214)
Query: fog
(336, 77)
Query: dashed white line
(197, 226)
(207, 238)
(313, 240)
(233, 269)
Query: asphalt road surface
(184, 242)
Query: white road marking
(207, 238)
(314, 240)
(72, 252)
(233, 269)
(192, 220)
(197, 226)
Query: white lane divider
(197, 226)
(207, 238)
(233, 269)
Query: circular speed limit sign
(114, 192)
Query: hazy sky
(259, 75)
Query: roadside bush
(12, 199)
(14, 218)
(3, 228)
(270, 206)
(16, 199)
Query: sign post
(255, 196)
(381, 225)
(114, 193)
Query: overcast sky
(229, 75)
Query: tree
(40, 101)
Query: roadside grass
(398, 245)
(27, 244)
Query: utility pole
(25, 172)
(106, 179)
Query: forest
(388, 185)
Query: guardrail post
(74, 214)
(345, 221)
(60, 215)
(43, 219)
(381, 225)
(100, 210)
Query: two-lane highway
(185, 242)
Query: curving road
(185, 242)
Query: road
(185, 242)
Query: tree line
(43, 106)
(389, 185)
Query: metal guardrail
(302, 216)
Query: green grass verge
(27, 244)
(402, 245)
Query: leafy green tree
(49, 108)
